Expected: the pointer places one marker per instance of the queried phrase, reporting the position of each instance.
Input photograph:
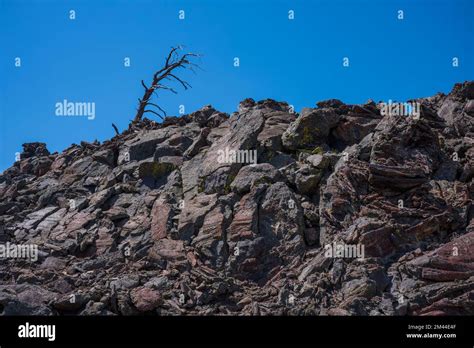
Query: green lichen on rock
(318, 150)
(201, 185)
(307, 136)
(154, 169)
(230, 179)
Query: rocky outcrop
(340, 210)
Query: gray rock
(310, 129)
(251, 175)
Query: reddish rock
(145, 299)
(169, 250)
(160, 218)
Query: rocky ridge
(152, 221)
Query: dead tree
(174, 61)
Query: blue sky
(298, 61)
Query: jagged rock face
(210, 214)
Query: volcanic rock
(154, 221)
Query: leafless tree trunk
(167, 73)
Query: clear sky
(298, 61)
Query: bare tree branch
(173, 50)
(157, 114)
(167, 88)
(183, 83)
(173, 62)
(158, 107)
(116, 129)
